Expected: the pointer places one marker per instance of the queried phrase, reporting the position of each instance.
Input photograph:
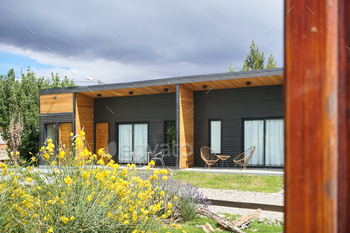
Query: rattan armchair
(209, 156)
(243, 158)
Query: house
(3, 145)
(227, 112)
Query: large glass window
(215, 135)
(268, 137)
(132, 138)
(51, 132)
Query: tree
(22, 97)
(255, 60)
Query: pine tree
(271, 63)
(255, 60)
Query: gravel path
(245, 196)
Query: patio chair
(159, 156)
(138, 158)
(209, 156)
(243, 158)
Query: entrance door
(102, 137)
(64, 141)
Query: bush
(79, 196)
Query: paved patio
(250, 171)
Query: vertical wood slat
(186, 132)
(316, 116)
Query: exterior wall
(231, 106)
(186, 127)
(84, 118)
(62, 103)
(153, 109)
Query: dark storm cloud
(202, 33)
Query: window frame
(259, 119)
(209, 133)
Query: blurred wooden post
(317, 132)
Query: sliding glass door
(132, 138)
(267, 136)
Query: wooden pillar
(84, 118)
(317, 116)
(186, 127)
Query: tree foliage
(255, 60)
(22, 97)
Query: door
(64, 140)
(102, 137)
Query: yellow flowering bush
(78, 193)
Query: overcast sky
(120, 41)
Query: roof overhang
(195, 82)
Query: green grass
(189, 227)
(268, 184)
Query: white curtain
(125, 143)
(274, 151)
(215, 136)
(254, 136)
(140, 141)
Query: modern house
(227, 112)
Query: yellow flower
(126, 222)
(12, 153)
(49, 140)
(101, 162)
(33, 159)
(88, 198)
(17, 153)
(175, 198)
(100, 151)
(151, 163)
(169, 205)
(30, 180)
(46, 156)
(71, 218)
(50, 230)
(71, 134)
(68, 180)
(164, 178)
(148, 168)
(162, 193)
(163, 171)
(82, 133)
(86, 174)
(86, 153)
(30, 168)
(53, 163)
(169, 212)
(61, 154)
(156, 171)
(64, 219)
(56, 171)
(42, 149)
(163, 216)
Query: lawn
(268, 184)
(190, 225)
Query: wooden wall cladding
(85, 118)
(186, 144)
(61, 103)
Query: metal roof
(168, 81)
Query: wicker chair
(209, 156)
(243, 158)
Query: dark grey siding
(231, 106)
(151, 109)
(52, 119)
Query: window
(268, 137)
(51, 132)
(132, 138)
(215, 135)
(170, 137)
